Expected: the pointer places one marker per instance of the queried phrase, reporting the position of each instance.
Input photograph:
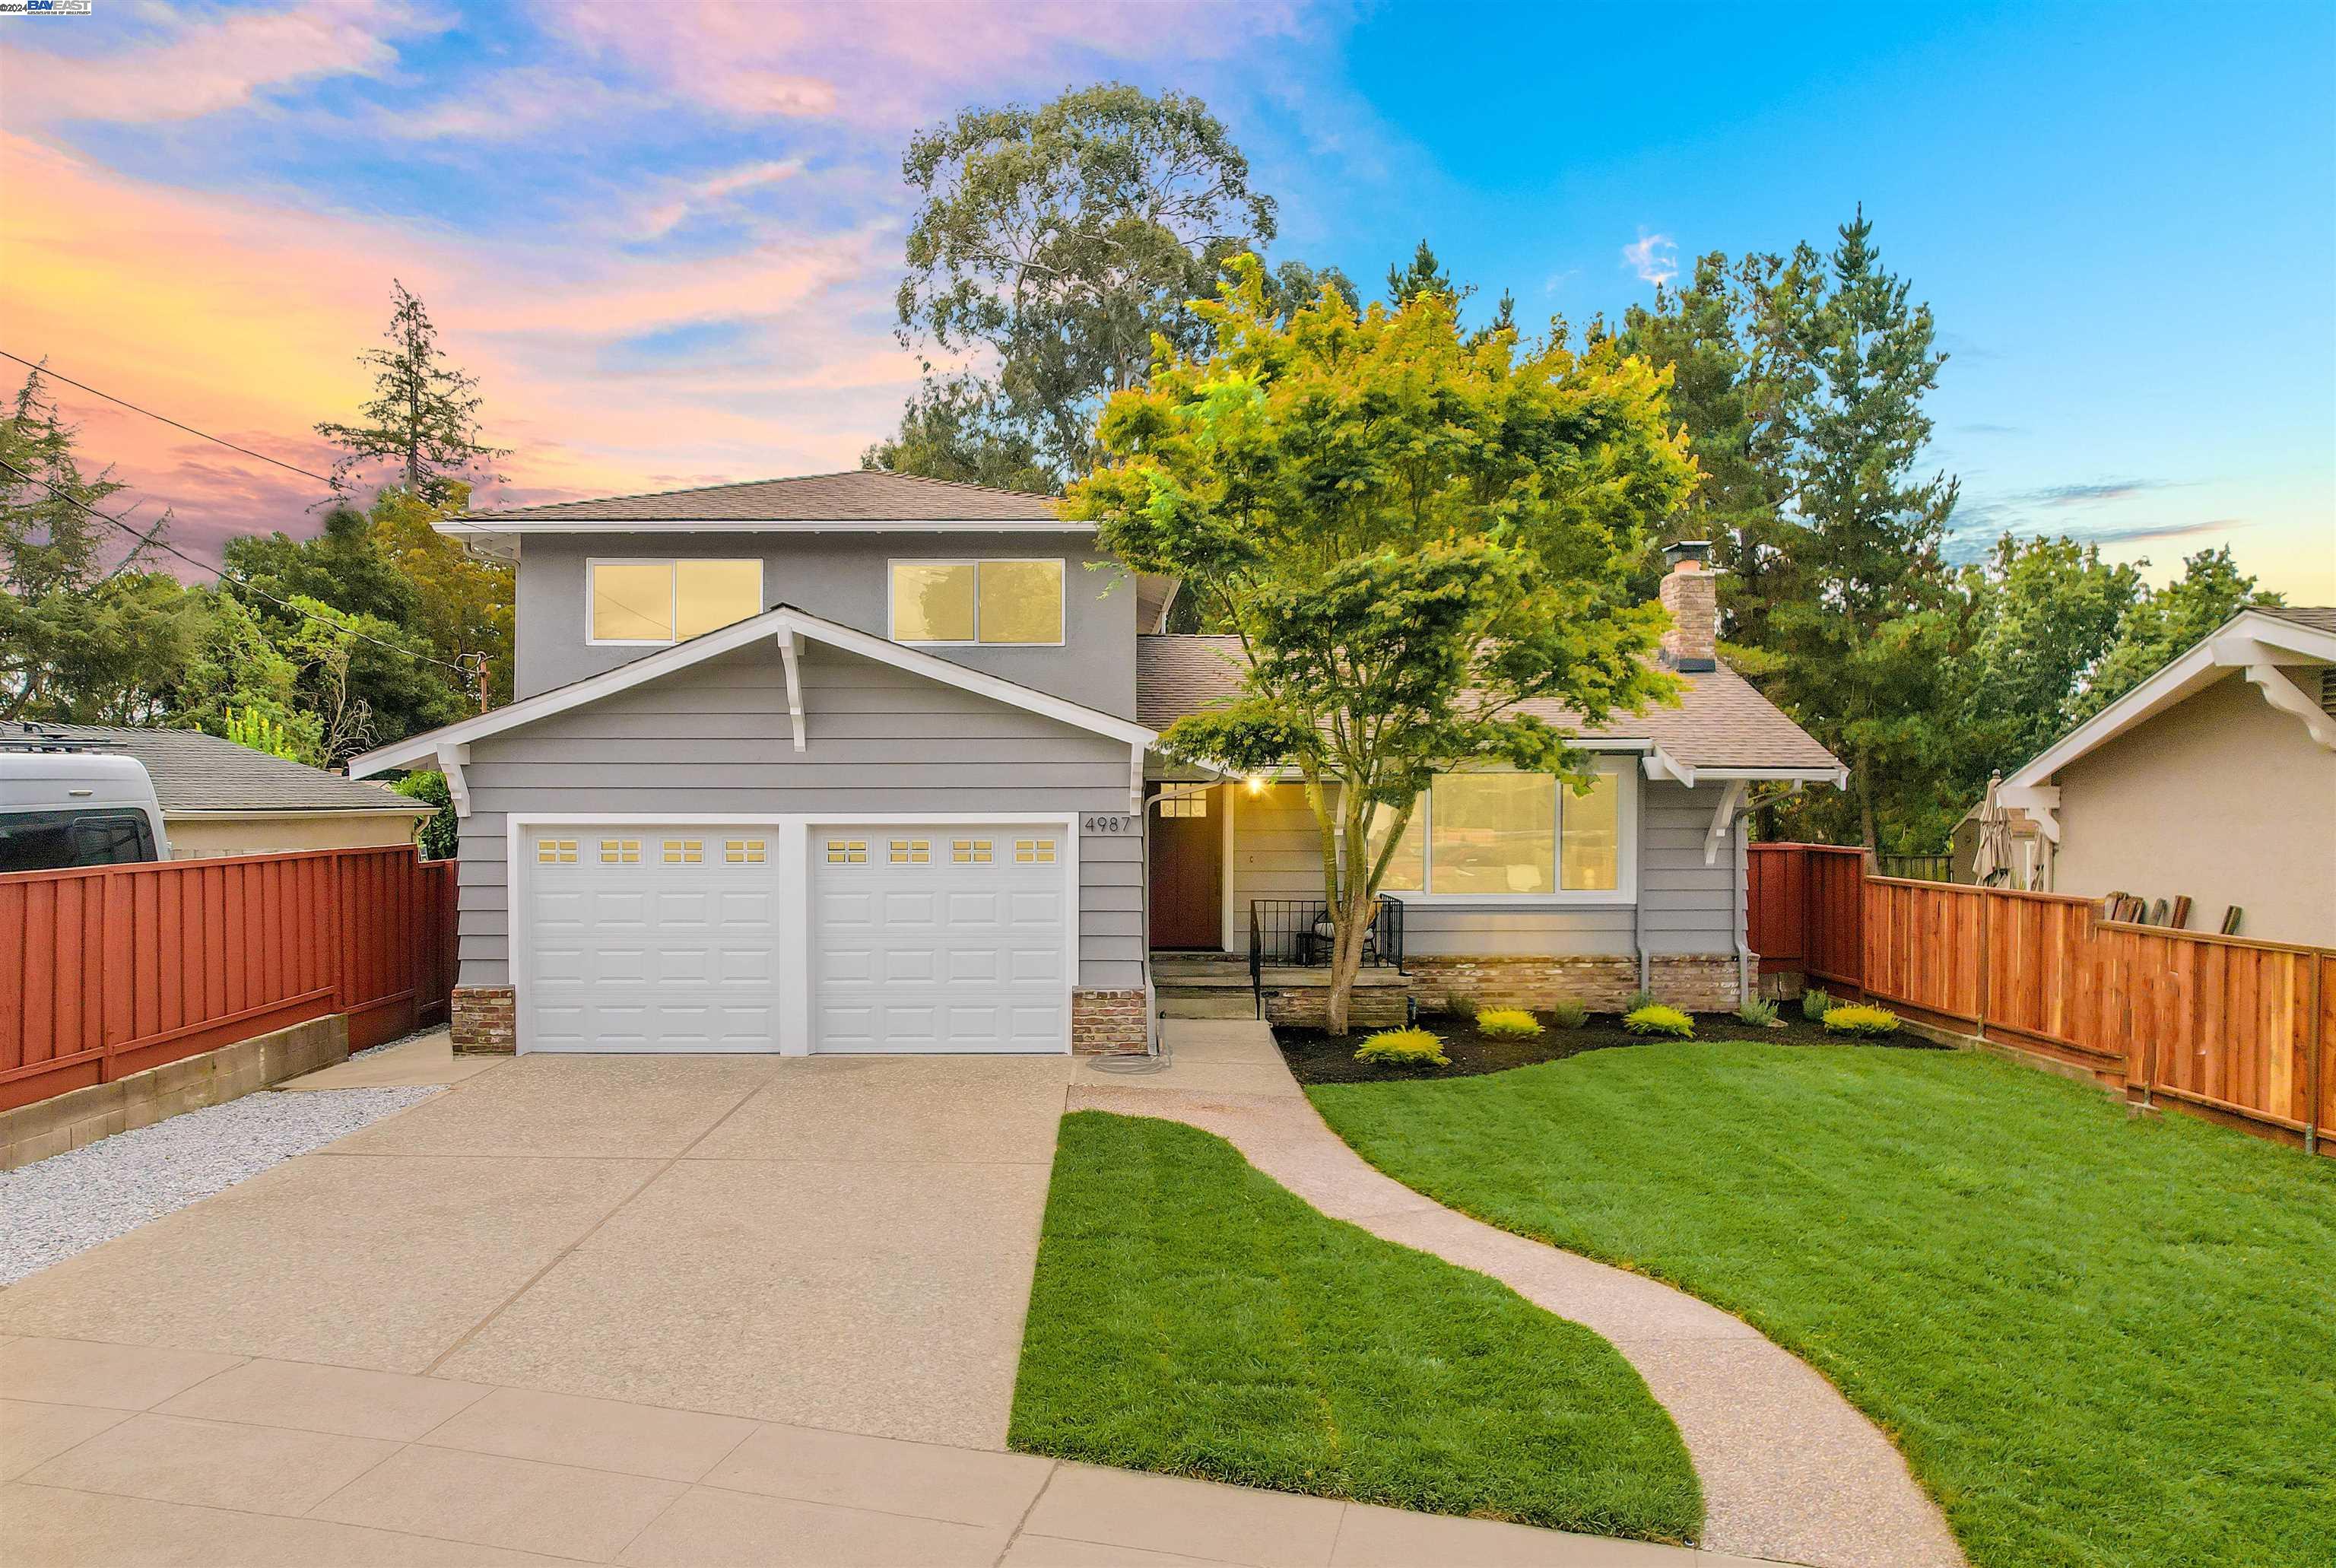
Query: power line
(221, 571)
(43, 369)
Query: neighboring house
(218, 798)
(2216, 778)
(866, 763)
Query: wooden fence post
(2313, 1042)
(1986, 957)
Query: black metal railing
(1298, 932)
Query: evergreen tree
(1423, 275)
(425, 413)
(1867, 625)
(955, 429)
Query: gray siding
(717, 738)
(1687, 907)
(842, 577)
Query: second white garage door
(942, 939)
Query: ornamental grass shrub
(1815, 1004)
(1403, 1048)
(1757, 1011)
(1568, 1013)
(1507, 1024)
(1659, 1022)
(1861, 1022)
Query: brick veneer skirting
(1368, 1007)
(1696, 982)
(485, 1021)
(1109, 1021)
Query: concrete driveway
(838, 1242)
(686, 1312)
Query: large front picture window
(982, 601)
(662, 601)
(1507, 835)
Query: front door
(1187, 870)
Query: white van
(66, 802)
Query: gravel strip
(71, 1202)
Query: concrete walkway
(685, 1310)
(1790, 1469)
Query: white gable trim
(2250, 639)
(782, 623)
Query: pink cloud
(245, 316)
(895, 63)
(202, 67)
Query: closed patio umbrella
(1992, 864)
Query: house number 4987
(1100, 824)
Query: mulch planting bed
(1316, 1058)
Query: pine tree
(1425, 274)
(424, 416)
(1868, 623)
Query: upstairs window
(977, 601)
(1503, 837)
(649, 603)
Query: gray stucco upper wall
(842, 577)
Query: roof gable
(432, 748)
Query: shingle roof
(194, 772)
(2317, 617)
(1721, 721)
(857, 496)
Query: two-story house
(863, 762)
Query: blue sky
(667, 236)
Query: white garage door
(940, 938)
(649, 939)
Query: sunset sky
(665, 236)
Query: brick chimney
(1691, 593)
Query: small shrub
(1654, 1019)
(1454, 1006)
(1757, 1011)
(1403, 1048)
(1636, 1000)
(1814, 1005)
(1862, 1022)
(1507, 1024)
(1568, 1013)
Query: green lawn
(2097, 1340)
(1191, 1316)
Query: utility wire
(190, 430)
(220, 572)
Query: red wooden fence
(114, 969)
(2242, 1031)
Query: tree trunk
(1865, 808)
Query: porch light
(1256, 785)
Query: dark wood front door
(1188, 866)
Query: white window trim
(1062, 599)
(592, 563)
(790, 867)
(1624, 893)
